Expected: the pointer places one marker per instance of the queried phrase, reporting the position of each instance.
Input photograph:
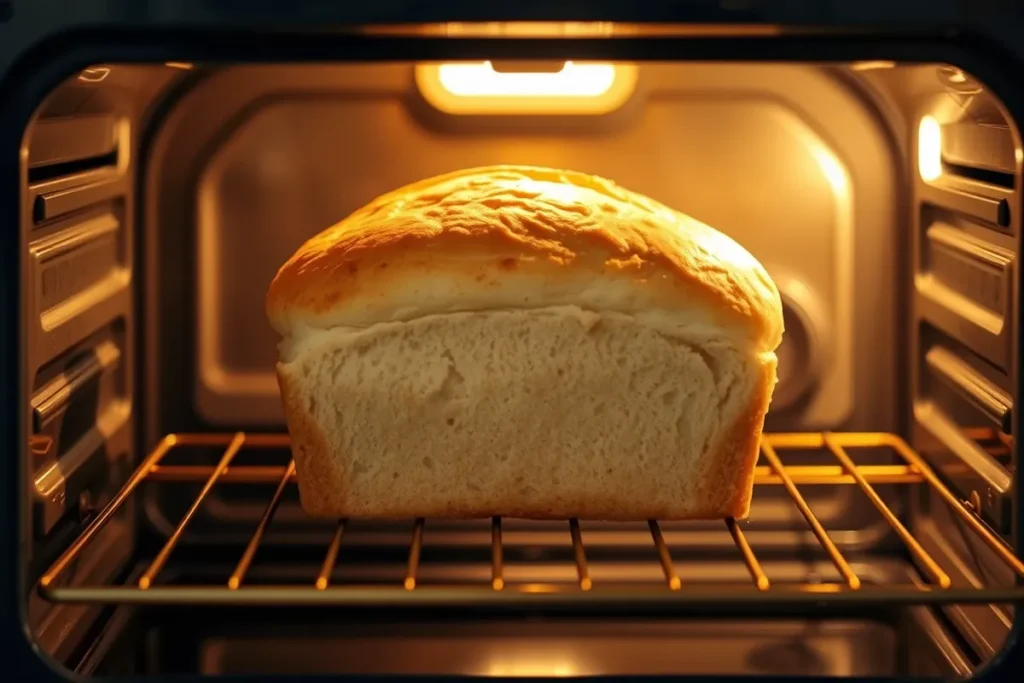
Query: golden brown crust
(513, 236)
(736, 455)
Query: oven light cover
(477, 88)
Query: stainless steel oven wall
(77, 229)
(795, 162)
(964, 220)
(965, 350)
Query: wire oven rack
(673, 594)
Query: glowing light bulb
(929, 148)
(572, 80)
(478, 88)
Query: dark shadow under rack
(672, 595)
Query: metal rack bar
(161, 559)
(214, 439)
(580, 555)
(804, 475)
(931, 566)
(852, 580)
(979, 527)
(235, 580)
(618, 597)
(627, 599)
(674, 583)
(165, 445)
(753, 566)
(415, 548)
(324, 577)
(497, 562)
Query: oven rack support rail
(672, 595)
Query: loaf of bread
(524, 342)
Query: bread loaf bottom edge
(584, 413)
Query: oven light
(532, 665)
(478, 88)
(929, 148)
(572, 80)
(531, 670)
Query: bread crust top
(502, 237)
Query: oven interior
(162, 528)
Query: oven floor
(843, 648)
(300, 641)
(311, 640)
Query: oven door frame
(44, 41)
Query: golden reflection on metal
(235, 580)
(539, 588)
(825, 587)
(874, 65)
(323, 579)
(165, 445)
(674, 583)
(582, 572)
(415, 548)
(804, 475)
(158, 562)
(988, 434)
(40, 445)
(753, 566)
(570, 29)
(614, 599)
(819, 531)
(931, 566)
(224, 439)
(497, 562)
(979, 527)
(94, 74)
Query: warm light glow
(872, 65)
(532, 667)
(929, 148)
(94, 74)
(481, 80)
(477, 88)
(831, 168)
